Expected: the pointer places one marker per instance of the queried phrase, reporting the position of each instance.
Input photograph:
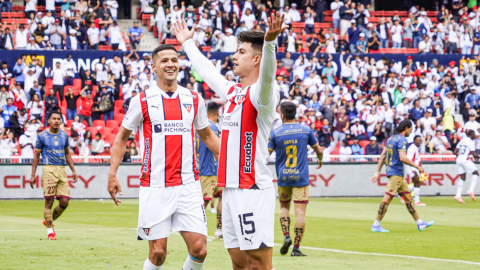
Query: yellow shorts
(299, 194)
(397, 184)
(55, 182)
(209, 187)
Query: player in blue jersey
(208, 168)
(290, 142)
(394, 155)
(52, 144)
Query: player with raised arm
(208, 169)
(52, 144)
(290, 142)
(394, 156)
(170, 196)
(464, 164)
(413, 153)
(249, 111)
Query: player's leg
(157, 253)
(416, 189)
(62, 205)
(212, 207)
(208, 185)
(239, 259)
(387, 198)
(471, 168)
(218, 231)
(49, 189)
(463, 175)
(62, 191)
(285, 197)
(403, 190)
(300, 199)
(197, 250)
(260, 259)
(47, 214)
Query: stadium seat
(118, 103)
(99, 123)
(69, 123)
(105, 48)
(118, 116)
(206, 48)
(112, 124)
(364, 143)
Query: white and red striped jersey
(167, 134)
(465, 147)
(247, 122)
(413, 153)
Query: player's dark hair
(163, 47)
(288, 110)
(98, 134)
(470, 132)
(417, 136)
(403, 125)
(213, 107)
(50, 116)
(257, 38)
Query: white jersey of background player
(464, 164)
(249, 113)
(472, 124)
(413, 153)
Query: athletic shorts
(55, 182)
(299, 194)
(209, 187)
(248, 217)
(466, 166)
(412, 172)
(165, 209)
(396, 184)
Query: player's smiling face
(166, 65)
(245, 59)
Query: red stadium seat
(105, 48)
(363, 144)
(118, 103)
(69, 123)
(112, 124)
(118, 116)
(99, 123)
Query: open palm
(275, 26)
(181, 31)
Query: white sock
(376, 222)
(148, 265)
(191, 265)
(459, 187)
(49, 230)
(416, 198)
(419, 221)
(473, 184)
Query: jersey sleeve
(39, 143)
(271, 141)
(264, 94)
(471, 146)
(402, 144)
(201, 120)
(134, 114)
(410, 153)
(312, 140)
(215, 130)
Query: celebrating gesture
(275, 26)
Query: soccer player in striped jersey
(170, 195)
(52, 144)
(248, 196)
(395, 157)
(290, 142)
(413, 153)
(464, 164)
(208, 169)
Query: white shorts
(248, 217)
(165, 209)
(411, 171)
(466, 166)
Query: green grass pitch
(96, 234)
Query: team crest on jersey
(56, 143)
(239, 99)
(146, 230)
(188, 107)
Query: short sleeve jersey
(167, 135)
(395, 144)
(290, 144)
(465, 147)
(52, 147)
(206, 160)
(413, 153)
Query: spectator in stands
(356, 149)
(361, 45)
(48, 20)
(309, 16)
(97, 145)
(30, 7)
(437, 45)
(344, 150)
(71, 104)
(294, 13)
(21, 37)
(135, 34)
(320, 6)
(373, 42)
(56, 35)
(383, 32)
(466, 41)
(229, 41)
(5, 6)
(72, 43)
(32, 45)
(70, 68)
(58, 76)
(93, 37)
(18, 95)
(358, 130)
(86, 109)
(27, 143)
(249, 19)
(7, 143)
(396, 32)
(7, 40)
(373, 148)
(440, 143)
(51, 104)
(133, 149)
(126, 104)
(6, 111)
(346, 16)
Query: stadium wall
(90, 58)
(331, 180)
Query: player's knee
(199, 251)
(64, 203)
(158, 255)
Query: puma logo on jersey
(156, 106)
(249, 240)
(146, 230)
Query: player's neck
(214, 119)
(53, 130)
(250, 79)
(167, 86)
(289, 122)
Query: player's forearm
(118, 149)
(70, 162)
(204, 67)
(35, 163)
(319, 152)
(210, 140)
(408, 162)
(381, 161)
(268, 68)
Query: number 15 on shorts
(244, 223)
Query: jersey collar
(155, 88)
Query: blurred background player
(166, 114)
(413, 153)
(52, 144)
(394, 156)
(208, 168)
(247, 122)
(464, 164)
(290, 142)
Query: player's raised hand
(181, 31)
(275, 26)
(114, 188)
(375, 177)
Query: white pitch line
(303, 247)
